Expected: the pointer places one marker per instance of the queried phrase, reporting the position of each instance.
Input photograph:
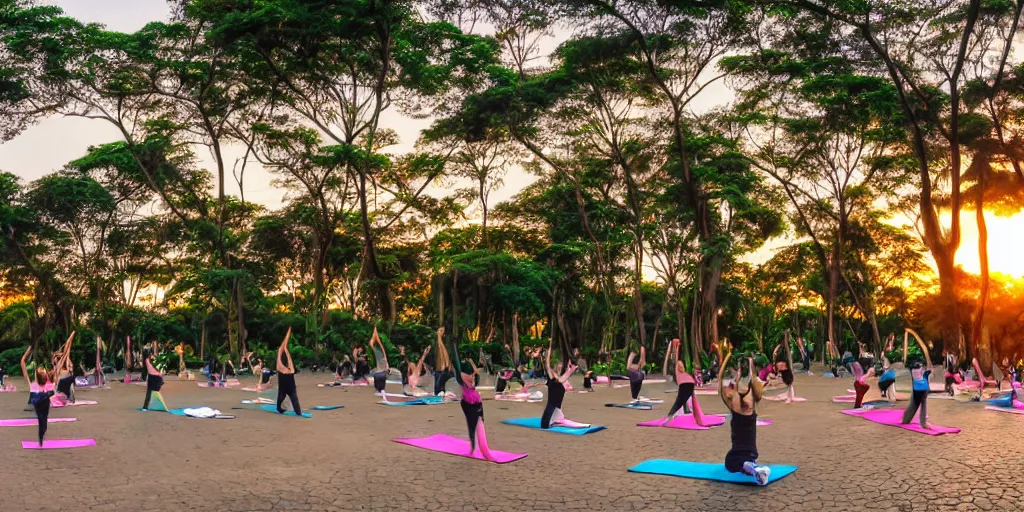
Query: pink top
(34, 387)
(470, 395)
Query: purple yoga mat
(455, 446)
(895, 417)
(685, 422)
(55, 444)
(1010, 410)
(28, 422)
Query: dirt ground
(345, 459)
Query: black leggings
(440, 379)
(41, 403)
(636, 381)
(66, 386)
(286, 387)
(380, 379)
(684, 394)
(153, 383)
(474, 414)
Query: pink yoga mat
(844, 398)
(685, 422)
(894, 418)
(28, 422)
(56, 444)
(455, 446)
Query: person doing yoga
(949, 362)
(785, 367)
(742, 456)
(40, 391)
(556, 393)
(887, 380)
(511, 372)
(472, 406)
(443, 364)
(687, 384)
(381, 368)
(635, 372)
(286, 377)
(411, 373)
(860, 385)
(362, 369)
(154, 381)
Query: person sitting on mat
(687, 384)
(511, 372)
(919, 396)
(65, 378)
(742, 457)
(443, 364)
(556, 393)
(635, 372)
(381, 367)
(286, 377)
(362, 368)
(472, 406)
(154, 381)
(860, 385)
(411, 373)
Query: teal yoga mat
(328, 407)
(535, 423)
(705, 471)
(273, 409)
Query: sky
(48, 145)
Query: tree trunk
(978, 339)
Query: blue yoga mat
(427, 400)
(705, 471)
(633, 405)
(327, 407)
(535, 423)
(273, 409)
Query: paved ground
(345, 460)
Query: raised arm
(547, 360)
(629, 362)
(570, 368)
(789, 352)
(24, 369)
(423, 357)
(721, 374)
(283, 349)
(643, 357)
(755, 383)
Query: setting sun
(1005, 244)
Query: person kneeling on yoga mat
(381, 368)
(860, 385)
(286, 378)
(472, 407)
(742, 457)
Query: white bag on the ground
(202, 412)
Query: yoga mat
(524, 399)
(535, 424)
(894, 418)
(685, 422)
(633, 405)
(705, 392)
(455, 446)
(1011, 410)
(82, 402)
(30, 422)
(782, 398)
(56, 444)
(706, 471)
(181, 412)
(272, 408)
(327, 407)
(842, 399)
(760, 422)
(257, 401)
(426, 400)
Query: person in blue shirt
(886, 381)
(919, 397)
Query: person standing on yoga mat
(40, 391)
(919, 396)
(286, 377)
(556, 393)
(860, 385)
(742, 457)
(472, 406)
(154, 381)
(687, 384)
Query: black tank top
(556, 392)
(744, 433)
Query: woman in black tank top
(556, 393)
(742, 457)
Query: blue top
(888, 375)
(922, 384)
